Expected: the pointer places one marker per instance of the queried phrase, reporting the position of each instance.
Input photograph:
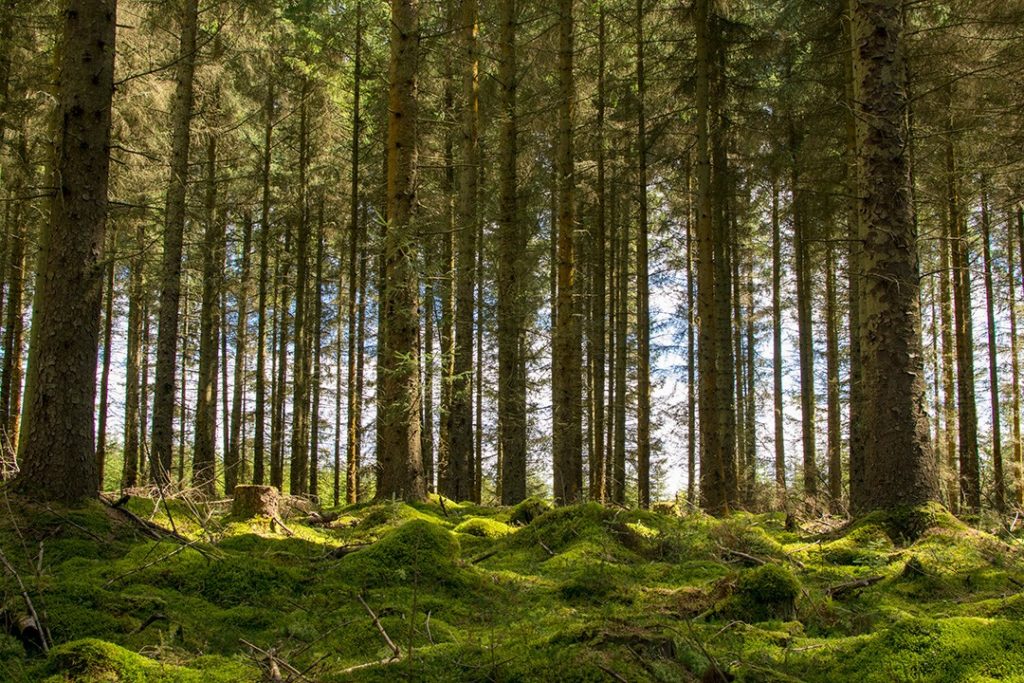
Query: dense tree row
(595, 249)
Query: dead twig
(611, 672)
(380, 628)
(847, 586)
(277, 520)
(28, 601)
(149, 564)
(275, 662)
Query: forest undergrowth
(173, 591)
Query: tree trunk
(833, 416)
(56, 453)
(949, 410)
(277, 425)
(854, 266)
(993, 356)
(174, 228)
(204, 455)
(691, 356)
(900, 468)
(780, 434)
(298, 479)
(805, 333)
(714, 488)
(567, 430)
(11, 379)
(108, 336)
(259, 439)
(399, 459)
(318, 334)
(970, 483)
(1018, 450)
(618, 466)
(234, 466)
(643, 315)
(135, 360)
(354, 241)
(458, 482)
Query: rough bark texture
(643, 315)
(354, 241)
(204, 454)
(967, 411)
(949, 413)
(713, 477)
(255, 501)
(459, 475)
(234, 466)
(993, 357)
(56, 450)
(567, 430)
(259, 438)
(1018, 448)
(108, 338)
(399, 462)
(900, 468)
(135, 360)
(780, 435)
(298, 479)
(174, 229)
(596, 336)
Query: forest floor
(426, 592)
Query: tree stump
(255, 501)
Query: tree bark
(458, 483)
(174, 228)
(567, 430)
(298, 480)
(643, 314)
(204, 454)
(234, 465)
(900, 469)
(399, 459)
(259, 438)
(56, 454)
(993, 355)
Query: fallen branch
(380, 628)
(147, 565)
(277, 520)
(848, 586)
(343, 550)
(28, 602)
(274, 661)
(750, 558)
(611, 672)
(489, 554)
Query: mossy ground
(469, 593)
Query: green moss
(766, 592)
(864, 545)
(928, 651)
(484, 527)
(595, 584)
(94, 661)
(528, 510)
(907, 524)
(417, 550)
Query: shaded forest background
(259, 128)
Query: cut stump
(255, 501)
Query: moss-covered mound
(417, 550)
(470, 593)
